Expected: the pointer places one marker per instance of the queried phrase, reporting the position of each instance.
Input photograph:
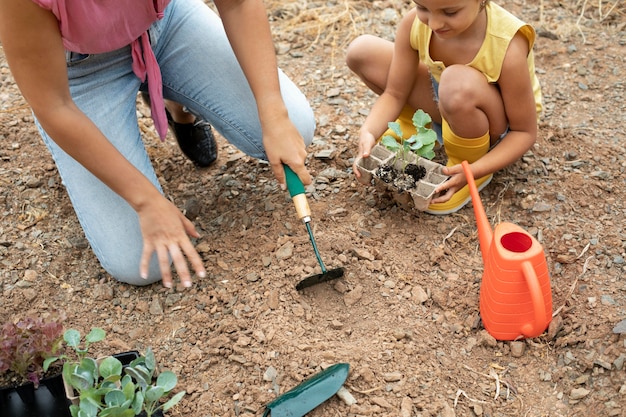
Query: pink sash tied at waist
(83, 22)
(145, 67)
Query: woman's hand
(284, 145)
(166, 231)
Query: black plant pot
(48, 400)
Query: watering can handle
(536, 295)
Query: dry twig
(493, 375)
(367, 391)
(573, 286)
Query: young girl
(469, 64)
(80, 65)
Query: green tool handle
(294, 185)
(296, 191)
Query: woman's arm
(248, 31)
(34, 50)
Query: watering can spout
(485, 234)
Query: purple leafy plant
(27, 343)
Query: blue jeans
(200, 71)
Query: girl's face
(448, 18)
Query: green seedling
(421, 144)
(107, 388)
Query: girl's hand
(366, 143)
(166, 231)
(456, 181)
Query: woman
(80, 65)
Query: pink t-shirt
(98, 26)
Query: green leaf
(138, 402)
(416, 147)
(395, 127)
(429, 137)
(112, 380)
(139, 374)
(79, 382)
(95, 335)
(72, 337)
(390, 143)
(89, 364)
(421, 118)
(74, 410)
(430, 154)
(167, 380)
(110, 366)
(154, 394)
(173, 401)
(150, 361)
(89, 406)
(48, 361)
(412, 139)
(81, 378)
(117, 412)
(128, 387)
(114, 398)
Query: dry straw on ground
(599, 11)
(333, 24)
(337, 23)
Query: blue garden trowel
(309, 394)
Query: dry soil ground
(405, 316)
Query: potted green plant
(405, 167)
(121, 385)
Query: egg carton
(416, 198)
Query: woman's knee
(119, 253)
(126, 270)
(300, 112)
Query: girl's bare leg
(471, 105)
(369, 57)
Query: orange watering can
(515, 294)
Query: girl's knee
(459, 88)
(357, 51)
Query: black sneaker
(196, 140)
